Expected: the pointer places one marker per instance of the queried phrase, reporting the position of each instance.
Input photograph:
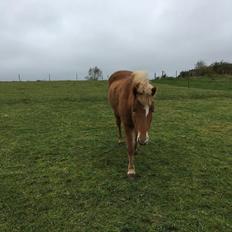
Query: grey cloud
(65, 37)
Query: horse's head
(143, 107)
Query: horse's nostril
(142, 142)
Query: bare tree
(94, 73)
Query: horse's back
(118, 85)
(119, 75)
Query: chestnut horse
(131, 98)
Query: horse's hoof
(131, 173)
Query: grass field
(62, 170)
(214, 83)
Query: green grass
(214, 83)
(62, 170)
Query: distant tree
(200, 64)
(94, 73)
(163, 74)
(201, 69)
(222, 67)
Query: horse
(131, 97)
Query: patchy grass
(62, 170)
(214, 83)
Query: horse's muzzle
(143, 141)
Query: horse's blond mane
(140, 76)
(144, 88)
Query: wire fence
(75, 77)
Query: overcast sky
(65, 37)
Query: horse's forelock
(145, 100)
(144, 88)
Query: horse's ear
(153, 91)
(135, 89)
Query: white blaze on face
(138, 136)
(146, 108)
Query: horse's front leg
(136, 143)
(130, 136)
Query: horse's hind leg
(118, 122)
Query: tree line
(201, 69)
